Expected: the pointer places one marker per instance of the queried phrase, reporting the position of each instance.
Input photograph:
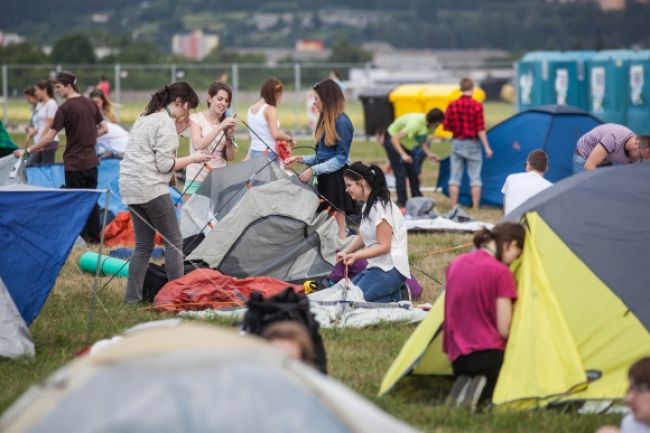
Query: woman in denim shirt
(333, 138)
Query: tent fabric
(108, 178)
(582, 310)
(7, 164)
(554, 129)
(38, 226)
(193, 378)
(120, 231)
(15, 338)
(205, 288)
(273, 230)
(7, 146)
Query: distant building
(310, 45)
(195, 45)
(604, 5)
(10, 38)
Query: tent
(38, 227)
(7, 167)
(7, 146)
(192, 378)
(15, 339)
(273, 230)
(583, 313)
(552, 128)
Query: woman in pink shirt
(478, 304)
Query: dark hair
(375, 178)
(640, 371)
(644, 140)
(214, 89)
(168, 94)
(502, 234)
(538, 160)
(66, 78)
(47, 86)
(333, 103)
(295, 331)
(270, 90)
(30, 91)
(435, 115)
(466, 84)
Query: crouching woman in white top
(382, 238)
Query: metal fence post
(118, 87)
(5, 94)
(297, 77)
(173, 72)
(235, 85)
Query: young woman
(382, 238)
(145, 172)
(478, 304)
(105, 105)
(263, 122)
(334, 132)
(211, 134)
(43, 118)
(29, 93)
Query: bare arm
(395, 140)
(384, 233)
(596, 157)
(355, 245)
(504, 316)
(45, 139)
(102, 129)
(200, 141)
(190, 159)
(271, 116)
(486, 145)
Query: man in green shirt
(406, 146)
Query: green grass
(357, 357)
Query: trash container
(440, 96)
(638, 93)
(609, 85)
(407, 98)
(378, 111)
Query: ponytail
(374, 176)
(502, 234)
(168, 94)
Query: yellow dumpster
(407, 98)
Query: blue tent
(553, 128)
(38, 227)
(52, 176)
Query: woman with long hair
(211, 134)
(263, 122)
(43, 118)
(382, 238)
(104, 104)
(145, 173)
(333, 136)
(478, 307)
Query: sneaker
(473, 393)
(458, 391)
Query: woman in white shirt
(211, 133)
(382, 238)
(43, 118)
(263, 122)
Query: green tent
(7, 146)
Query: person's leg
(456, 166)
(380, 286)
(399, 170)
(340, 222)
(486, 362)
(412, 173)
(144, 241)
(474, 158)
(86, 179)
(163, 217)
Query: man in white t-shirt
(519, 187)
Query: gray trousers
(158, 213)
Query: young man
(609, 144)
(83, 123)
(519, 187)
(464, 118)
(404, 142)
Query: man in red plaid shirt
(464, 118)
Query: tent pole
(93, 299)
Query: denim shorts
(466, 152)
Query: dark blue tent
(553, 128)
(38, 228)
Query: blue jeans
(380, 286)
(578, 163)
(466, 152)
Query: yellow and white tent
(583, 313)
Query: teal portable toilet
(569, 78)
(534, 87)
(609, 85)
(638, 92)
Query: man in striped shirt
(609, 144)
(464, 118)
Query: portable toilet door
(568, 73)
(638, 94)
(608, 85)
(534, 84)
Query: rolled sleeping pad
(109, 265)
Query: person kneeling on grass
(382, 235)
(478, 311)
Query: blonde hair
(333, 103)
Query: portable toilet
(534, 84)
(609, 85)
(441, 95)
(638, 92)
(569, 78)
(407, 98)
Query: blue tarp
(38, 228)
(554, 129)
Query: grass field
(358, 358)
